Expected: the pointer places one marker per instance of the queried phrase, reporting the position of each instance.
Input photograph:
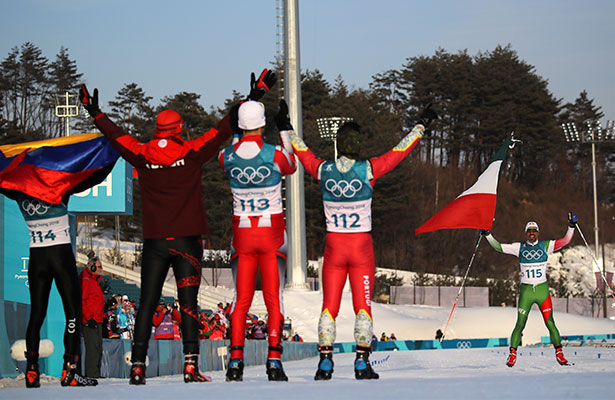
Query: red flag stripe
(474, 211)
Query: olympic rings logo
(532, 254)
(250, 175)
(464, 344)
(34, 207)
(343, 187)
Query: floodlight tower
(593, 135)
(67, 106)
(328, 127)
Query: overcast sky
(210, 47)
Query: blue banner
(404, 345)
(583, 339)
(113, 196)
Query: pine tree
(25, 91)
(131, 110)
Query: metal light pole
(67, 106)
(295, 213)
(593, 135)
(328, 127)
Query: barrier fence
(165, 357)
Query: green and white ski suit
(534, 289)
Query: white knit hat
(531, 225)
(251, 115)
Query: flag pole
(462, 285)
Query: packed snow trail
(426, 374)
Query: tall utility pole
(295, 203)
(593, 135)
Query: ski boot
(33, 376)
(325, 365)
(559, 356)
(275, 371)
(234, 373)
(362, 367)
(512, 358)
(70, 377)
(137, 373)
(191, 369)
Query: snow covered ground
(425, 374)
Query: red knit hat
(169, 122)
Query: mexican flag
(474, 208)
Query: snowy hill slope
(410, 322)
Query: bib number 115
(533, 273)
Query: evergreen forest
(481, 98)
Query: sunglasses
(533, 230)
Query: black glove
(485, 232)
(427, 116)
(572, 219)
(234, 115)
(91, 323)
(259, 87)
(90, 103)
(282, 119)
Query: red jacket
(164, 322)
(169, 176)
(92, 297)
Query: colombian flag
(50, 169)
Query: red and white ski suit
(348, 248)
(255, 169)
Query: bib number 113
(254, 205)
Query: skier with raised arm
(347, 187)
(533, 255)
(255, 169)
(170, 172)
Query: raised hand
(427, 116)
(259, 87)
(90, 103)
(572, 219)
(282, 119)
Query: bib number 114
(38, 236)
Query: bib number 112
(342, 221)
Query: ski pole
(461, 287)
(595, 261)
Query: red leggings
(349, 254)
(257, 250)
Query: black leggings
(45, 265)
(184, 256)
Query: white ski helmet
(251, 115)
(532, 225)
